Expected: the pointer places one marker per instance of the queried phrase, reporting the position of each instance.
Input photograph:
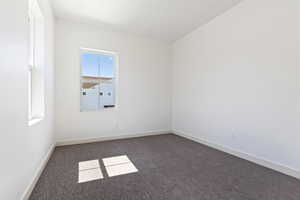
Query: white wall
(236, 81)
(22, 148)
(144, 84)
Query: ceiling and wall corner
(123, 27)
(166, 20)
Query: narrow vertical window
(36, 64)
(98, 80)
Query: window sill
(107, 109)
(34, 121)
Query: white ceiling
(161, 19)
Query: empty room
(150, 100)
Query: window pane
(107, 66)
(90, 64)
(36, 102)
(97, 81)
(90, 96)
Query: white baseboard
(38, 173)
(100, 139)
(260, 161)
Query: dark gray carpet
(170, 168)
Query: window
(36, 64)
(98, 80)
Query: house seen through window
(98, 80)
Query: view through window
(98, 80)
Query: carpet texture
(170, 168)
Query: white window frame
(116, 76)
(36, 63)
